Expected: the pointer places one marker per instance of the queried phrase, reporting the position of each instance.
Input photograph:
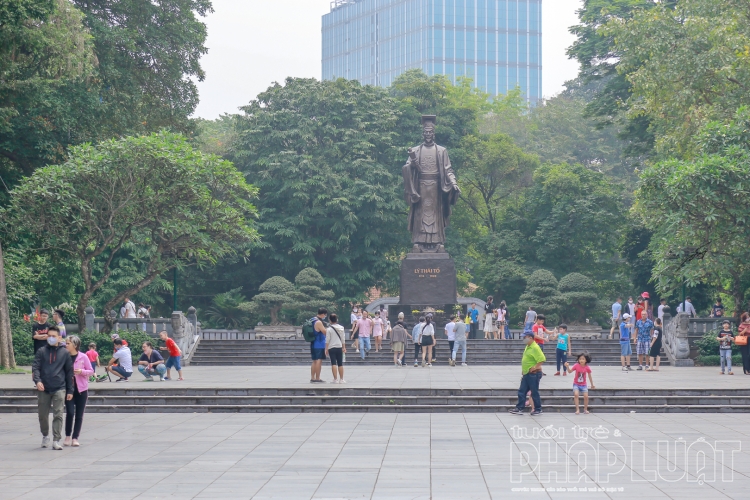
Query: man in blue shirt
(415, 337)
(645, 329)
(474, 316)
(616, 316)
(318, 346)
(625, 349)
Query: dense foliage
(154, 197)
(548, 215)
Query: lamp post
(174, 290)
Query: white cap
(626, 316)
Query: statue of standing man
(431, 190)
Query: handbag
(741, 338)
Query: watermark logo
(581, 456)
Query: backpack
(308, 329)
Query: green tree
(308, 295)
(493, 169)
(44, 49)
(699, 211)
(577, 294)
(324, 158)
(225, 311)
(274, 293)
(688, 63)
(569, 220)
(176, 205)
(541, 294)
(599, 56)
(87, 70)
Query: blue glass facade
(498, 43)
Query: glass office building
(497, 43)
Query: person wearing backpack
(336, 348)
(318, 345)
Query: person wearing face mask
(52, 372)
(631, 307)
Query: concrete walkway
(437, 377)
(381, 456)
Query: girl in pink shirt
(579, 380)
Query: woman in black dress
(654, 353)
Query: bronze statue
(431, 190)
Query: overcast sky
(253, 43)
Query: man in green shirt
(531, 374)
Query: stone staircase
(480, 352)
(338, 399)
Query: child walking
(725, 339)
(563, 348)
(579, 380)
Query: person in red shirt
(540, 330)
(175, 355)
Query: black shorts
(427, 340)
(337, 356)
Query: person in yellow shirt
(531, 374)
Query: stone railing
(675, 339)
(184, 329)
(700, 326)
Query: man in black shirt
(717, 311)
(39, 330)
(52, 372)
(151, 363)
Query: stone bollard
(89, 317)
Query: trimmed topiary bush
(577, 298)
(541, 294)
(274, 293)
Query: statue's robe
(430, 190)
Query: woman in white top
(500, 330)
(377, 330)
(427, 340)
(489, 318)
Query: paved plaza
(408, 377)
(388, 456)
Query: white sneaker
(342, 381)
(45, 441)
(464, 364)
(56, 445)
(335, 381)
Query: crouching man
(151, 363)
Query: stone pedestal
(428, 279)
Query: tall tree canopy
(688, 62)
(153, 197)
(700, 212)
(324, 157)
(76, 71)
